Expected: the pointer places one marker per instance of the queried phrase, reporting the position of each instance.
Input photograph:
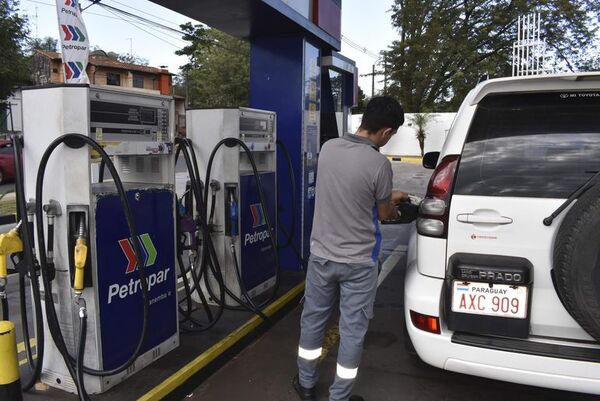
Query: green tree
(218, 71)
(444, 46)
(361, 104)
(14, 69)
(132, 59)
(420, 121)
(48, 44)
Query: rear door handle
(470, 218)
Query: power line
(144, 12)
(142, 29)
(117, 17)
(87, 13)
(150, 24)
(141, 19)
(360, 48)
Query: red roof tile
(102, 61)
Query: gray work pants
(357, 285)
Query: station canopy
(247, 19)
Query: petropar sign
(74, 41)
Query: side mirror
(430, 160)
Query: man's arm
(387, 209)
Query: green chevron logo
(148, 247)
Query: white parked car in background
(503, 274)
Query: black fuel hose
(232, 142)
(5, 315)
(192, 270)
(290, 168)
(28, 255)
(25, 321)
(185, 147)
(78, 140)
(83, 396)
(209, 256)
(289, 235)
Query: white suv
(502, 282)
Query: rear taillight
(433, 212)
(423, 322)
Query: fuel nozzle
(232, 212)
(80, 258)
(9, 243)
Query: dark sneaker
(356, 398)
(305, 394)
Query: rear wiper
(578, 192)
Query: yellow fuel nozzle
(80, 258)
(10, 243)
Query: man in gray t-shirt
(354, 192)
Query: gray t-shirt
(352, 178)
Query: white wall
(405, 143)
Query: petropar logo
(258, 216)
(147, 247)
(73, 69)
(258, 220)
(72, 3)
(118, 292)
(72, 33)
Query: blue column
(285, 78)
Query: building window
(113, 79)
(138, 81)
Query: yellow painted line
(21, 345)
(331, 339)
(202, 360)
(408, 159)
(24, 361)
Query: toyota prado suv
(503, 274)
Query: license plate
(489, 299)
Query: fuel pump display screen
(122, 121)
(255, 124)
(104, 112)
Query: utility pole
(130, 46)
(36, 22)
(385, 73)
(373, 82)
(372, 75)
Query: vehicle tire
(577, 261)
(2, 179)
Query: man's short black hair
(382, 112)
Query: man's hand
(386, 210)
(399, 197)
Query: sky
(364, 23)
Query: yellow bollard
(10, 383)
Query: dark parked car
(7, 161)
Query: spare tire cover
(577, 261)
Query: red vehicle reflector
(427, 323)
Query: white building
(405, 142)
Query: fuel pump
(236, 150)
(108, 265)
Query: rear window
(542, 145)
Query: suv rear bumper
(423, 294)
